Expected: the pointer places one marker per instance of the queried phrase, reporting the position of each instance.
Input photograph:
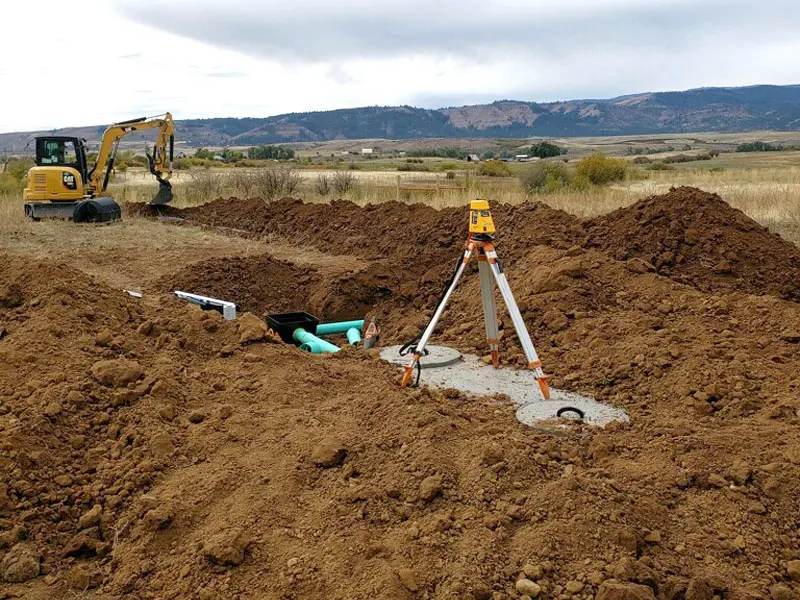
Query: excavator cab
(58, 186)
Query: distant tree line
(759, 147)
(439, 153)
(270, 153)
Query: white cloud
(204, 58)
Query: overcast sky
(85, 62)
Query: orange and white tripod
(480, 243)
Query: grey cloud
(309, 30)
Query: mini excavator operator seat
(60, 173)
(481, 224)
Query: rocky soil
(153, 450)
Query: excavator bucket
(164, 195)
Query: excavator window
(59, 152)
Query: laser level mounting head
(480, 218)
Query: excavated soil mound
(688, 235)
(152, 450)
(697, 238)
(391, 229)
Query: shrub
(494, 168)
(685, 158)
(641, 160)
(601, 169)
(322, 185)
(451, 174)
(660, 166)
(202, 186)
(448, 166)
(413, 167)
(10, 184)
(343, 182)
(545, 177)
(267, 182)
(18, 167)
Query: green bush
(10, 184)
(642, 160)
(546, 150)
(601, 169)
(494, 168)
(545, 177)
(18, 168)
(451, 174)
(448, 166)
(758, 147)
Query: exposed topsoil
(152, 450)
(697, 238)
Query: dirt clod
(430, 488)
(793, 570)
(20, 564)
(251, 328)
(118, 372)
(407, 579)
(91, 518)
(612, 590)
(227, 548)
(328, 453)
(528, 588)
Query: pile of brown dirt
(148, 453)
(697, 238)
(152, 450)
(688, 235)
(391, 229)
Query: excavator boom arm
(160, 160)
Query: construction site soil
(150, 449)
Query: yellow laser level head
(480, 219)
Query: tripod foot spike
(544, 387)
(409, 371)
(496, 359)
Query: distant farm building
(366, 151)
(473, 158)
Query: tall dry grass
(770, 195)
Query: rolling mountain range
(761, 107)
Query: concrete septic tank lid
(438, 356)
(473, 376)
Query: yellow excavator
(62, 186)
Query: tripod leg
(489, 309)
(522, 332)
(426, 336)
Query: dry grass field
(766, 186)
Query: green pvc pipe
(354, 336)
(342, 327)
(315, 344)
